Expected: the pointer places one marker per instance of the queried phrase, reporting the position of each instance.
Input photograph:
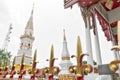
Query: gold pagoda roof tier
(29, 24)
(26, 35)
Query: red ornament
(51, 77)
(80, 78)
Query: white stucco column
(115, 53)
(97, 45)
(88, 43)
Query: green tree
(4, 58)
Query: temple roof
(107, 12)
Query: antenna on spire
(64, 35)
(32, 9)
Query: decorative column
(88, 42)
(90, 61)
(96, 38)
(117, 47)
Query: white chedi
(65, 63)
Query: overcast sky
(50, 18)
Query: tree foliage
(4, 58)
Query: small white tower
(26, 43)
(65, 63)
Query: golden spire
(22, 61)
(80, 67)
(30, 21)
(35, 55)
(51, 64)
(22, 64)
(79, 47)
(14, 61)
(52, 53)
(64, 35)
(34, 62)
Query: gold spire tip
(52, 47)
(79, 47)
(78, 40)
(35, 55)
(52, 52)
(64, 35)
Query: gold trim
(27, 67)
(66, 77)
(24, 36)
(65, 58)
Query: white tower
(7, 39)
(26, 43)
(65, 63)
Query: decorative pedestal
(66, 77)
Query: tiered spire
(30, 21)
(65, 63)
(26, 42)
(65, 53)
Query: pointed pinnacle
(52, 53)
(64, 35)
(35, 55)
(14, 61)
(79, 47)
(22, 59)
